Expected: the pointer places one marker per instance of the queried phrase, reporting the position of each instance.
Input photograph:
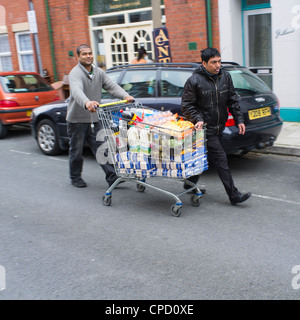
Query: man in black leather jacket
(206, 96)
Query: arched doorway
(117, 36)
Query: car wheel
(3, 130)
(47, 137)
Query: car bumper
(15, 115)
(254, 138)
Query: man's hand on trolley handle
(93, 105)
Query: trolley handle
(111, 103)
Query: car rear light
(230, 121)
(56, 98)
(8, 103)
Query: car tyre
(47, 137)
(3, 130)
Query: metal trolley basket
(144, 143)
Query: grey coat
(84, 87)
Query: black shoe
(79, 183)
(240, 198)
(186, 187)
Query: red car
(20, 92)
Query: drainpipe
(36, 44)
(208, 22)
(51, 41)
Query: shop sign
(32, 21)
(108, 6)
(162, 45)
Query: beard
(86, 63)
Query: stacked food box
(152, 143)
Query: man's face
(86, 56)
(213, 65)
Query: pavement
(287, 142)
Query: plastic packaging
(114, 127)
(130, 116)
(145, 140)
(133, 139)
(122, 137)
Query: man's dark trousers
(78, 134)
(217, 156)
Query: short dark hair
(209, 53)
(82, 46)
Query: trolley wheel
(195, 200)
(107, 200)
(140, 188)
(176, 210)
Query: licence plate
(28, 113)
(259, 113)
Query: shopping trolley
(145, 144)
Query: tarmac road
(59, 242)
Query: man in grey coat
(86, 82)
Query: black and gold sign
(162, 45)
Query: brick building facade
(63, 24)
(186, 22)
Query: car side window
(139, 83)
(113, 76)
(173, 81)
(247, 83)
(24, 83)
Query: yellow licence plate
(28, 113)
(259, 113)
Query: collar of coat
(203, 71)
(84, 69)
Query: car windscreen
(247, 83)
(114, 77)
(139, 83)
(24, 83)
(173, 81)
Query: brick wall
(186, 23)
(69, 22)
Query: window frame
(21, 53)
(6, 54)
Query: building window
(5, 54)
(25, 52)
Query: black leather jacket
(206, 99)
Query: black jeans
(217, 156)
(78, 134)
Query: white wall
(231, 39)
(286, 51)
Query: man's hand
(91, 106)
(129, 98)
(199, 125)
(242, 128)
